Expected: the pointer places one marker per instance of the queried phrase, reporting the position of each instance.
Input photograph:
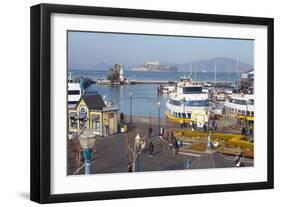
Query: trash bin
(186, 164)
(125, 127)
(162, 130)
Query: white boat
(167, 89)
(241, 105)
(220, 96)
(188, 104)
(228, 91)
(74, 92)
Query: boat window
(183, 115)
(197, 103)
(192, 90)
(238, 101)
(73, 92)
(189, 115)
(179, 115)
(175, 102)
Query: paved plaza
(110, 155)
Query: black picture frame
(41, 99)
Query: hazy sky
(90, 48)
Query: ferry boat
(241, 105)
(188, 104)
(74, 92)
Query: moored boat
(188, 104)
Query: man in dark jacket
(151, 149)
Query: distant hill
(99, 66)
(223, 65)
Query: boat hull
(177, 119)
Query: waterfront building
(95, 113)
(120, 70)
(116, 74)
(247, 82)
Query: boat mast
(215, 73)
(190, 69)
(228, 76)
(237, 77)
(195, 74)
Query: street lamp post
(131, 94)
(87, 142)
(246, 120)
(159, 130)
(209, 136)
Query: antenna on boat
(190, 69)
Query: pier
(131, 82)
(163, 82)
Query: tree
(76, 149)
(134, 148)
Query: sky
(86, 49)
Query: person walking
(174, 146)
(151, 149)
(237, 161)
(243, 132)
(130, 167)
(150, 131)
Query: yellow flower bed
(232, 139)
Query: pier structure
(131, 82)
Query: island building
(94, 112)
(155, 66)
